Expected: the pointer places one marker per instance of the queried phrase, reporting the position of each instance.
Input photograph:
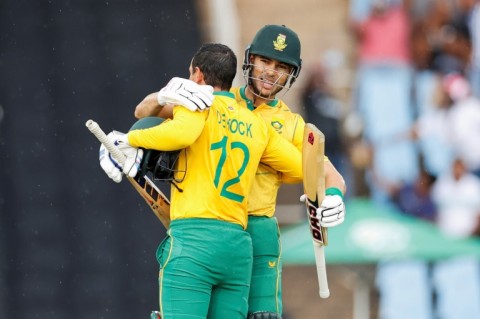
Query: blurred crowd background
(393, 84)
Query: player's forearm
(333, 178)
(149, 106)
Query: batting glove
(331, 211)
(112, 167)
(109, 165)
(186, 93)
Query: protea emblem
(280, 44)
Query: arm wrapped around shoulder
(186, 93)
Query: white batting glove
(133, 158)
(110, 166)
(186, 93)
(331, 211)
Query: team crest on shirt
(280, 43)
(230, 108)
(272, 264)
(277, 124)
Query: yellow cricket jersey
(224, 146)
(263, 198)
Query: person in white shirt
(457, 197)
(464, 121)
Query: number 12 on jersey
(226, 149)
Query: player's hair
(218, 63)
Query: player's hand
(113, 168)
(331, 211)
(186, 93)
(110, 166)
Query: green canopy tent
(373, 233)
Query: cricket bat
(314, 187)
(152, 195)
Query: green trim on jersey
(250, 104)
(225, 93)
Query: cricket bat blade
(313, 153)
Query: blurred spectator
(460, 37)
(383, 34)
(415, 199)
(440, 38)
(383, 86)
(432, 131)
(452, 127)
(325, 110)
(430, 53)
(457, 196)
(456, 280)
(425, 35)
(464, 120)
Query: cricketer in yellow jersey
(206, 258)
(272, 63)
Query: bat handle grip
(324, 292)
(102, 137)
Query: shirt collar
(224, 93)
(250, 104)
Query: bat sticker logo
(311, 138)
(314, 221)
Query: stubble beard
(258, 91)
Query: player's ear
(197, 76)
